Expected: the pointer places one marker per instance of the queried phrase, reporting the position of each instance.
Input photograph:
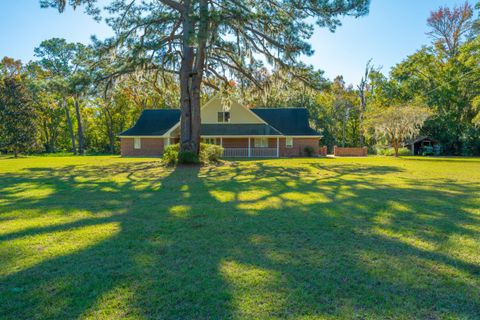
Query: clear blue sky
(392, 30)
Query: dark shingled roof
(238, 129)
(289, 121)
(154, 122)
(284, 121)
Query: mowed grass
(113, 238)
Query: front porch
(248, 147)
(250, 153)
(234, 147)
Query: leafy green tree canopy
(398, 123)
(17, 116)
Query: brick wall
(350, 152)
(236, 142)
(298, 148)
(149, 147)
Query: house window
(209, 140)
(289, 142)
(224, 116)
(137, 143)
(167, 142)
(261, 142)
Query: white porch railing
(254, 153)
(263, 152)
(235, 152)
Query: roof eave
(304, 135)
(141, 136)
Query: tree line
(76, 98)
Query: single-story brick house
(243, 132)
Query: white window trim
(223, 117)
(260, 142)
(289, 145)
(209, 140)
(137, 143)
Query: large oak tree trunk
(70, 127)
(186, 137)
(189, 142)
(197, 75)
(191, 76)
(195, 114)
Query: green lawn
(373, 238)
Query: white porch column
(249, 152)
(221, 141)
(278, 153)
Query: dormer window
(224, 116)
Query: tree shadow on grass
(443, 159)
(151, 263)
(253, 240)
